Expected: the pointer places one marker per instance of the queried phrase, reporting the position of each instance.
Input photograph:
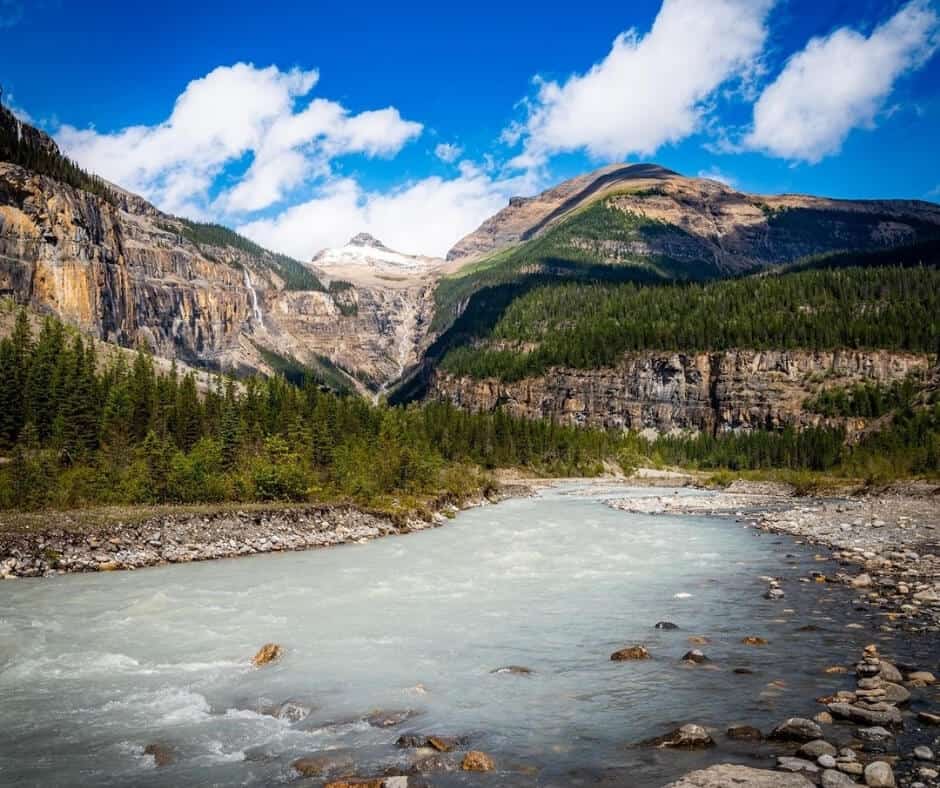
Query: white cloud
(714, 174)
(230, 113)
(840, 82)
(649, 90)
(448, 152)
(425, 217)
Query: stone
(923, 753)
(881, 716)
(817, 747)
(862, 581)
(665, 625)
(630, 653)
(798, 765)
(745, 733)
(895, 693)
(826, 761)
(725, 775)
(321, 765)
(440, 744)
(879, 775)
(753, 640)
(389, 719)
(292, 711)
(698, 640)
(833, 779)
(688, 737)
(269, 652)
(890, 673)
(874, 734)
(516, 670)
(162, 754)
(695, 656)
(774, 593)
(797, 729)
(922, 675)
(928, 717)
(476, 761)
(823, 718)
(367, 782)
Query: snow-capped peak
(366, 250)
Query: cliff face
(665, 392)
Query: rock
(665, 625)
(922, 675)
(516, 670)
(823, 718)
(890, 673)
(874, 734)
(389, 719)
(321, 765)
(774, 593)
(836, 669)
(826, 761)
(109, 566)
(753, 640)
(698, 640)
(923, 753)
(368, 782)
(895, 693)
(688, 737)
(888, 715)
(862, 581)
(398, 781)
(817, 747)
(630, 653)
(726, 775)
(268, 653)
(695, 656)
(743, 671)
(292, 711)
(745, 732)
(440, 744)
(787, 763)
(162, 754)
(476, 761)
(797, 729)
(833, 779)
(928, 717)
(437, 762)
(879, 775)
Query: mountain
(113, 265)
(364, 252)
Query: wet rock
(476, 761)
(665, 625)
(923, 676)
(354, 782)
(743, 671)
(745, 733)
(322, 765)
(698, 640)
(889, 672)
(630, 653)
(817, 747)
(787, 763)
(438, 762)
(269, 652)
(292, 711)
(862, 581)
(688, 737)
(753, 640)
(883, 714)
(923, 753)
(162, 754)
(695, 656)
(726, 775)
(875, 734)
(774, 593)
(389, 719)
(823, 718)
(797, 729)
(928, 717)
(833, 779)
(826, 761)
(895, 693)
(516, 670)
(879, 775)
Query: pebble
(923, 753)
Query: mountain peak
(368, 240)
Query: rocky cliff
(665, 392)
(111, 264)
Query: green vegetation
(592, 325)
(865, 400)
(295, 274)
(22, 145)
(81, 432)
(343, 293)
(323, 373)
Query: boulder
(817, 747)
(884, 715)
(753, 640)
(797, 729)
(895, 693)
(292, 711)
(389, 719)
(322, 765)
(630, 653)
(787, 763)
(862, 581)
(665, 625)
(923, 753)
(476, 761)
(889, 672)
(726, 774)
(922, 675)
(268, 653)
(162, 754)
(695, 656)
(833, 779)
(879, 775)
(688, 737)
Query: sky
(300, 124)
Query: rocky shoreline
(181, 537)
(884, 732)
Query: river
(94, 668)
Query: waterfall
(255, 306)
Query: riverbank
(110, 539)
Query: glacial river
(94, 668)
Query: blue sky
(301, 123)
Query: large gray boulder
(726, 774)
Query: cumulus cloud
(448, 152)
(649, 90)
(424, 217)
(234, 112)
(840, 82)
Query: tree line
(591, 325)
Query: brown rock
(162, 754)
(753, 640)
(476, 761)
(630, 653)
(688, 737)
(269, 652)
(745, 733)
(728, 775)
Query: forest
(591, 325)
